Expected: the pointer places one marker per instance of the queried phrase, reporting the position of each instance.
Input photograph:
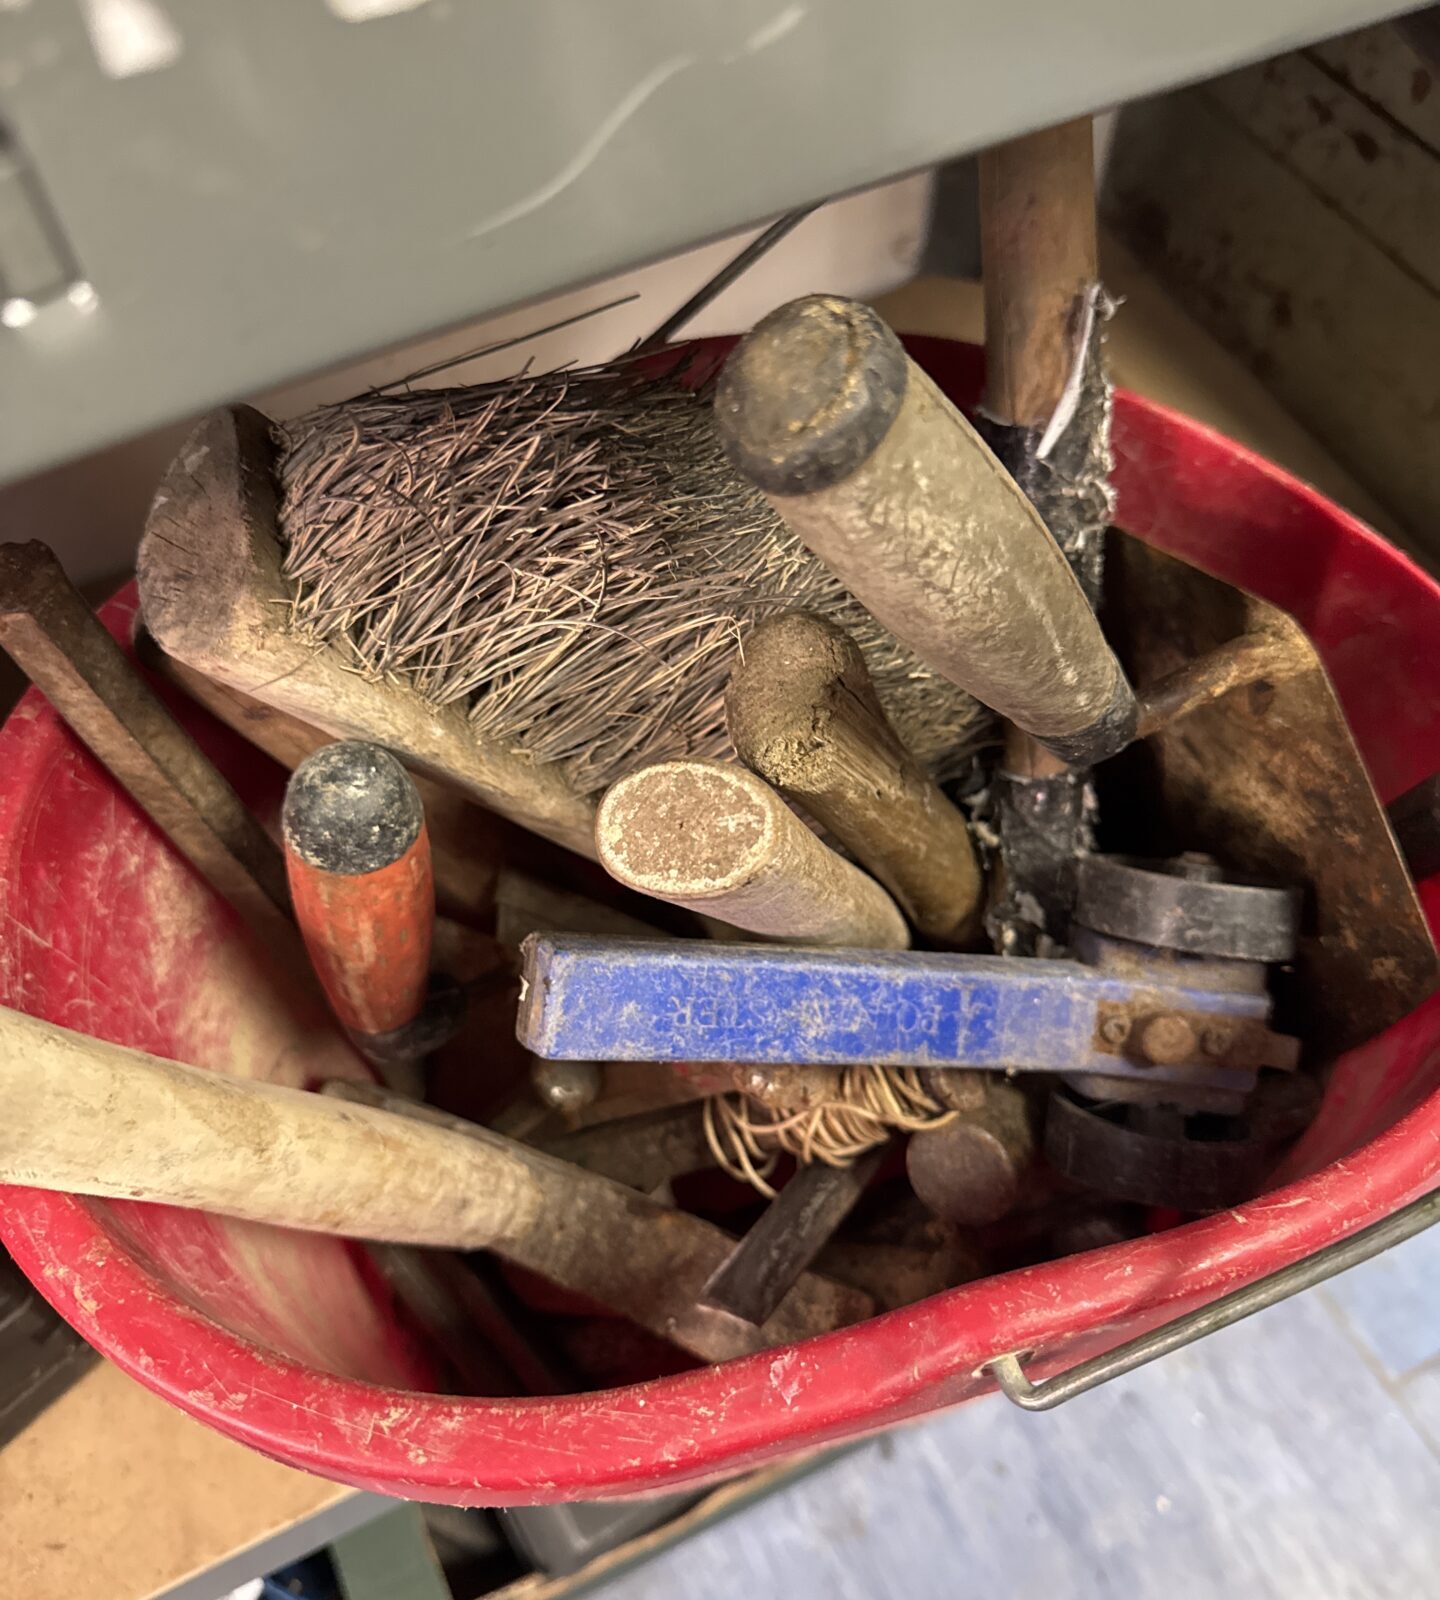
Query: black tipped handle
(872, 467)
(358, 859)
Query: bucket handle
(1009, 1371)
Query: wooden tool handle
(873, 468)
(1037, 243)
(358, 858)
(213, 596)
(716, 838)
(93, 1118)
(68, 653)
(623, 1250)
(466, 841)
(804, 715)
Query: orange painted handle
(358, 858)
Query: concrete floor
(1296, 1455)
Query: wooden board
(114, 1495)
(1291, 209)
(1157, 348)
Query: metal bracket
(595, 999)
(1329, 1262)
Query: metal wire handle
(713, 287)
(1329, 1262)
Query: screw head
(1215, 1041)
(1167, 1040)
(1115, 1030)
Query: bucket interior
(105, 930)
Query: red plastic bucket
(274, 1337)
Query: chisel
(357, 854)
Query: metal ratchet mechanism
(1179, 923)
(1126, 1010)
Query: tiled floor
(1297, 1455)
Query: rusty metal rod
(1238, 662)
(1038, 248)
(68, 654)
(715, 286)
(791, 1232)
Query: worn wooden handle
(466, 841)
(1037, 243)
(873, 468)
(804, 715)
(93, 1118)
(716, 838)
(69, 655)
(633, 1254)
(213, 596)
(87, 1117)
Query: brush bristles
(572, 558)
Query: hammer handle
(715, 838)
(92, 1118)
(1037, 243)
(68, 654)
(804, 715)
(873, 469)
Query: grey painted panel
(259, 190)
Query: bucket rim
(693, 1428)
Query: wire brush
(572, 558)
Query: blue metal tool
(603, 999)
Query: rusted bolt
(1115, 1030)
(1167, 1040)
(1216, 1041)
